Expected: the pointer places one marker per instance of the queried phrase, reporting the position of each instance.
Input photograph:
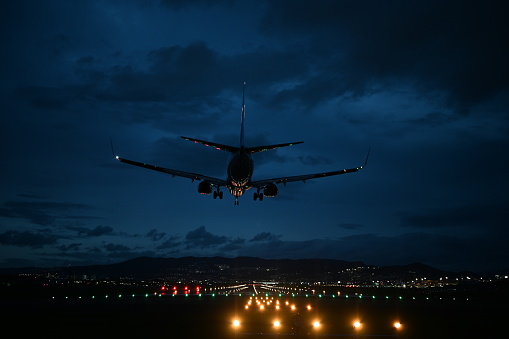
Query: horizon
(494, 271)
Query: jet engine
(270, 190)
(205, 187)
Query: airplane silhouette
(240, 169)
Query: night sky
(424, 84)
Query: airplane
(240, 169)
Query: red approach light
(163, 288)
(174, 288)
(185, 288)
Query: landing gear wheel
(258, 196)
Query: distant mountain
(242, 269)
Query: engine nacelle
(205, 187)
(270, 190)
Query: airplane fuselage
(239, 172)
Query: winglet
(367, 156)
(112, 150)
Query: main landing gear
(258, 195)
(218, 194)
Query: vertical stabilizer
(242, 117)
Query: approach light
(236, 323)
(357, 324)
(397, 325)
(277, 323)
(316, 324)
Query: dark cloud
(28, 239)
(201, 238)
(116, 248)
(70, 247)
(154, 235)
(233, 245)
(170, 243)
(91, 232)
(452, 47)
(490, 216)
(350, 226)
(42, 213)
(265, 236)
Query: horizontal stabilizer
(222, 147)
(270, 147)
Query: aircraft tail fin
(270, 147)
(242, 117)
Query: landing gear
(258, 195)
(218, 194)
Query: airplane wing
(284, 180)
(189, 175)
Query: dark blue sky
(425, 84)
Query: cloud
(42, 213)
(350, 226)
(28, 239)
(116, 248)
(355, 50)
(471, 215)
(233, 245)
(91, 232)
(265, 236)
(154, 235)
(70, 247)
(170, 243)
(201, 238)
